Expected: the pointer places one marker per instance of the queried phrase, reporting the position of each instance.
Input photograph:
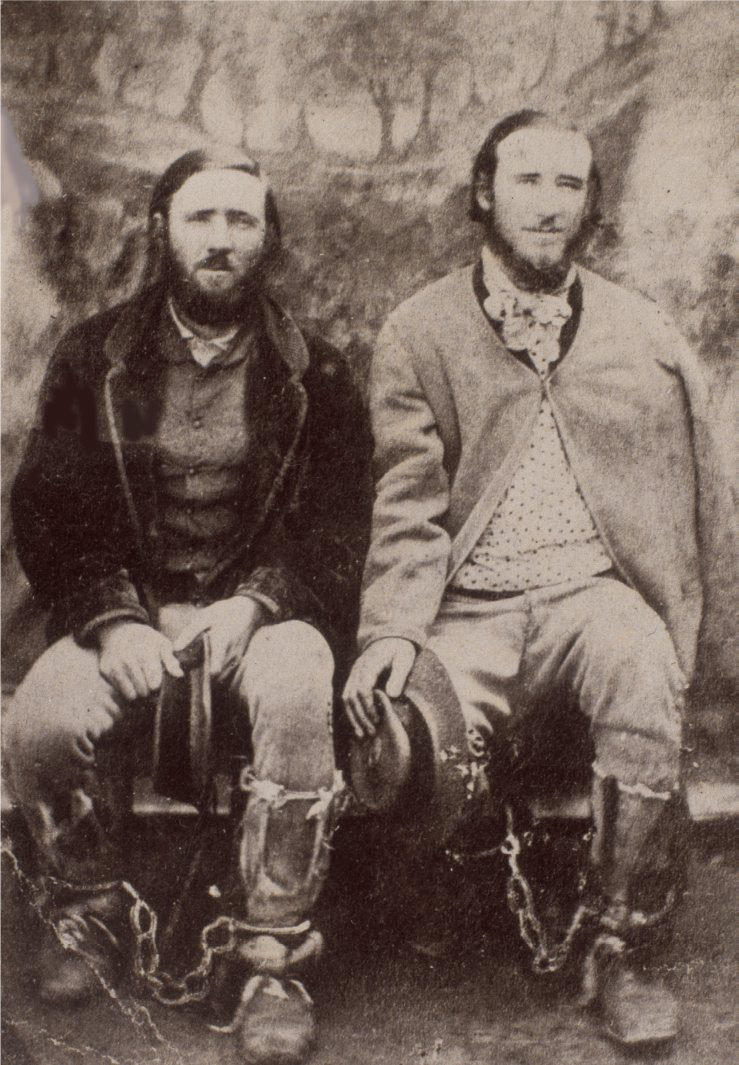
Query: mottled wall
(367, 117)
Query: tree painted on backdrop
(394, 53)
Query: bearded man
(549, 515)
(190, 473)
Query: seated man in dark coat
(197, 467)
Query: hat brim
(380, 765)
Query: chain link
(520, 897)
(547, 958)
(221, 936)
(217, 938)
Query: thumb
(170, 663)
(190, 632)
(401, 667)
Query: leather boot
(274, 1020)
(82, 957)
(283, 856)
(636, 1007)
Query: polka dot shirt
(542, 532)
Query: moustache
(217, 261)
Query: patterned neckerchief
(529, 321)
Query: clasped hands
(134, 656)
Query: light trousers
(597, 638)
(60, 730)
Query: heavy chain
(520, 897)
(547, 958)
(217, 938)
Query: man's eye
(243, 221)
(527, 179)
(570, 183)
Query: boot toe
(277, 1026)
(72, 981)
(638, 1012)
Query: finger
(105, 671)
(216, 653)
(362, 710)
(366, 700)
(399, 672)
(111, 706)
(169, 661)
(354, 719)
(98, 721)
(151, 666)
(366, 695)
(109, 690)
(123, 684)
(136, 675)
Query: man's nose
(553, 203)
(219, 234)
(549, 219)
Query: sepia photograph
(369, 564)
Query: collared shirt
(204, 351)
(542, 532)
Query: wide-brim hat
(183, 748)
(380, 765)
(419, 754)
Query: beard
(523, 272)
(209, 308)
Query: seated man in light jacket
(549, 513)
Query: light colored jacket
(453, 411)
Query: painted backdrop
(366, 116)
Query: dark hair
(195, 162)
(486, 161)
(175, 176)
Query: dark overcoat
(85, 495)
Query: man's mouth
(215, 266)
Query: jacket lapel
(498, 400)
(133, 400)
(133, 351)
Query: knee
(631, 639)
(57, 716)
(288, 677)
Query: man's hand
(392, 656)
(230, 624)
(133, 657)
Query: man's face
(539, 196)
(217, 230)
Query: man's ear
(158, 226)
(483, 196)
